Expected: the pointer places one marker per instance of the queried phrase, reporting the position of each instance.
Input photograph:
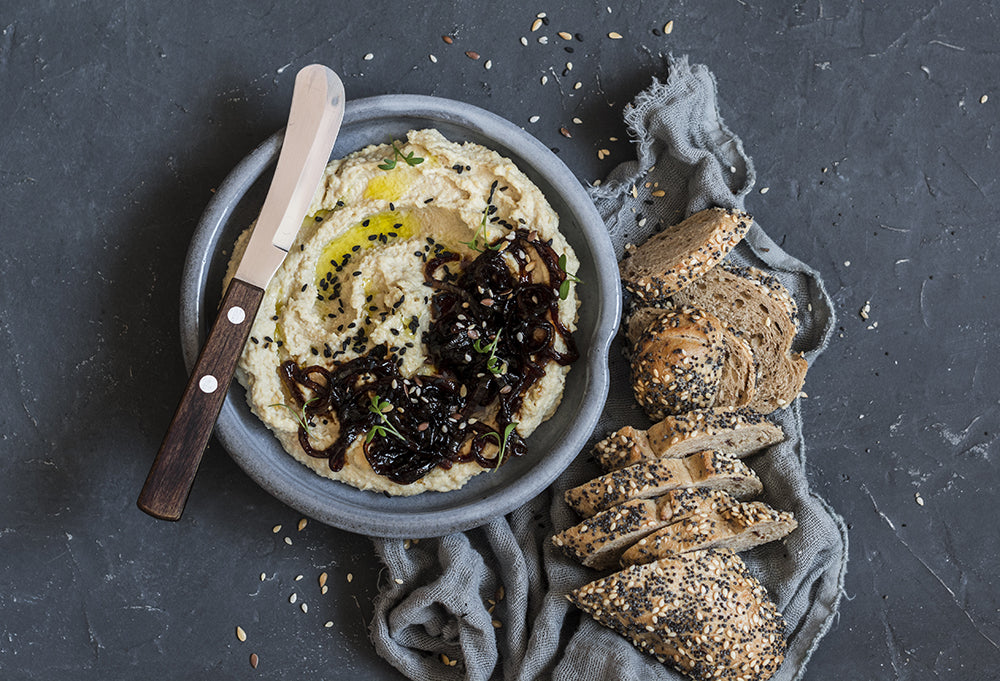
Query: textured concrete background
(872, 128)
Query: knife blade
(314, 120)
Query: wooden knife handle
(172, 475)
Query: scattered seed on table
(324, 589)
(294, 597)
(433, 59)
(444, 658)
(601, 153)
(369, 56)
(472, 55)
(577, 121)
(543, 40)
(298, 578)
(240, 634)
(577, 85)
(564, 132)
(322, 579)
(569, 66)
(305, 608)
(276, 529)
(288, 540)
(544, 80)
(613, 139)
(524, 41)
(448, 39)
(659, 192)
(615, 35)
(254, 660)
(263, 576)
(328, 624)
(497, 624)
(536, 24)
(488, 65)
(541, 15)
(984, 99)
(668, 27)
(533, 119)
(398, 580)
(350, 577)
(302, 523)
(565, 36)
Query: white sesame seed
(543, 40)
(298, 578)
(398, 580)
(294, 597)
(524, 41)
(350, 577)
(764, 190)
(276, 529)
(305, 608)
(263, 576)
(577, 121)
(984, 99)
(488, 65)
(328, 624)
(669, 27)
(533, 119)
(577, 85)
(615, 35)
(242, 635)
(288, 540)
(369, 56)
(432, 58)
(545, 79)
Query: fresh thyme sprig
(564, 287)
(300, 415)
(381, 407)
(474, 244)
(495, 365)
(397, 154)
(501, 441)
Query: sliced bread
(598, 542)
(755, 307)
(670, 260)
(703, 612)
(738, 379)
(677, 362)
(735, 432)
(708, 469)
(731, 524)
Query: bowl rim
(544, 163)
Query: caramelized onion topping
(494, 328)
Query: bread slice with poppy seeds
(702, 612)
(708, 469)
(670, 260)
(735, 432)
(598, 542)
(735, 525)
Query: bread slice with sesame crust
(598, 542)
(738, 380)
(738, 526)
(758, 309)
(735, 432)
(708, 469)
(670, 260)
(702, 612)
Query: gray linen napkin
(443, 596)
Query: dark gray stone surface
(117, 119)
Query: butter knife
(313, 122)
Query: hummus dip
(355, 282)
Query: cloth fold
(493, 599)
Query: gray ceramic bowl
(550, 449)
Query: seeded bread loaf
(670, 260)
(703, 612)
(735, 432)
(598, 542)
(758, 309)
(707, 469)
(677, 362)
(730, 524)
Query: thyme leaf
(501, 441)
(299, 416)
(495, 365)
(564, 286)
(381, 408)
(397, 153)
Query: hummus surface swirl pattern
(355, 280)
